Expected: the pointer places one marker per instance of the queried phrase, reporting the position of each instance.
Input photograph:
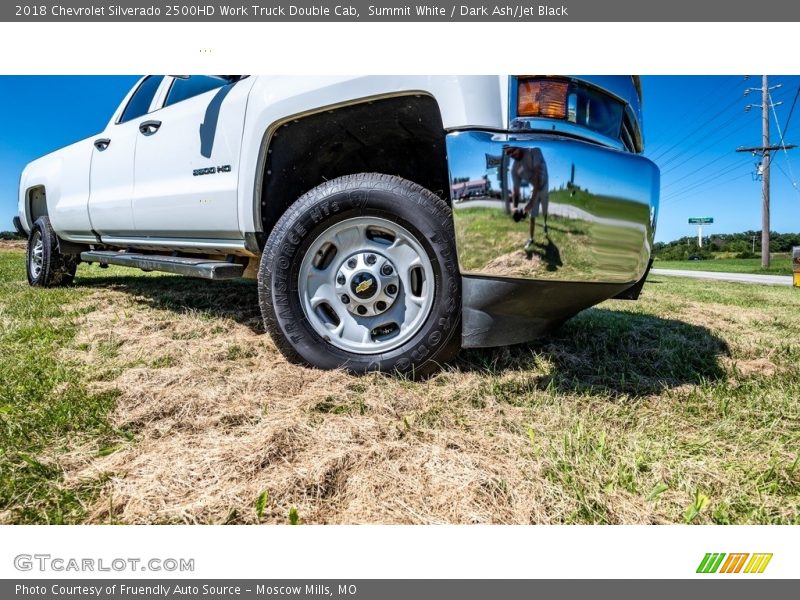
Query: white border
(311, 48)
(390, 48)
(494, 552)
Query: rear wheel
(361, 273)
(46, 265)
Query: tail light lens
(570, 101)
(542, 98)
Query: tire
(45, 264)
(320, 250)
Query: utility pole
(764, 150)
(765, 180)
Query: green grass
(489, 233)
(693, 391)
(681, 407)
(574, 249)
(780, 264)
(45, 404)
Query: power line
(700, 188)
(696, 131)
(657, 152)
(791, 111)
(693, 186)
(788, 178)
(784, 147)
(714, 142)
(682, 153)
(699, 169)
(764, 150)
(665, 156)
(723, 169)
(689, 194)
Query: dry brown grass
(514, 264)
(540, 434)
(13, 244)
(227, 417)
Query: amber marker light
(542, 98)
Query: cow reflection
(529, 169)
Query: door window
(183, 89)
(139, 104)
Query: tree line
(740, 244)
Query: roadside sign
(700, 221)
(492, 162)
(796, 265)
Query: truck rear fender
(401, 135)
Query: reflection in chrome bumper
(585, 213)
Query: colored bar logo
(719, 562)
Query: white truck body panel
(141, 190)
(197, 133)
(468, 101)
(65, 176)
(109, 199)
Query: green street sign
(700, 220)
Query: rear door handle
(101, 143)
(149, 127)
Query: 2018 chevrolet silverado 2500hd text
(389, 220)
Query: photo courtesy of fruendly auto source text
(411, 310)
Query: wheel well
(401, 136)
(37, 204)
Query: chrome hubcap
(37, 255)
(366, 285)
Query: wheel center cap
(363, 285)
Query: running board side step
(192, 267)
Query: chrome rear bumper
(600, 207)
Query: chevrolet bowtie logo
(363, 286)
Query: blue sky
(693, 125)
(41, 114)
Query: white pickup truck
(388, 220)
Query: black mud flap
(18, 228)
(632, 293)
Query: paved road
(737, 277)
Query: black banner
(734, 588)
(364, 11)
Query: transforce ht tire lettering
(361, 273)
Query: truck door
(111, 170)
(187, 160)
